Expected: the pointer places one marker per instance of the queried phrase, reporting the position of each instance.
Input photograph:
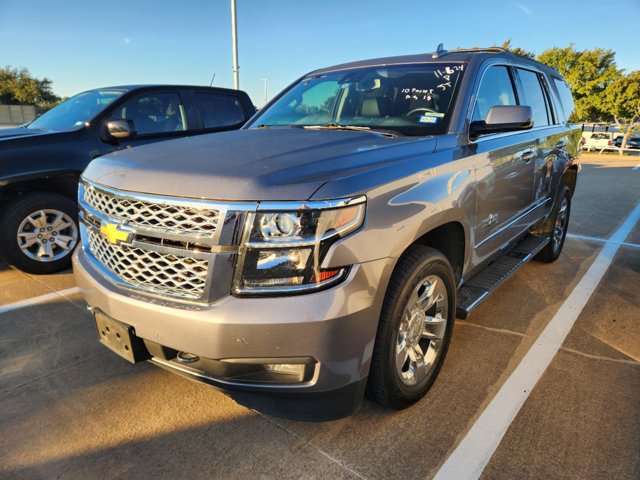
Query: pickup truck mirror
(121, 128)
(503, 118)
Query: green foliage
(589, 73)
(622, 101)
(18, 87)
(622, 97)
(517, 50)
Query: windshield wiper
(357, 128)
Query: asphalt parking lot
(72, 409)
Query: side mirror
(121, 129)
(503, 118)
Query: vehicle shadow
(74, 408)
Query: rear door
(217, 111)
(550, 139)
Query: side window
(219, 110)
(159, 112)
(496, 89)
(534, 97)
(565, 98)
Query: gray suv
(324, 250)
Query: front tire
(414, 329)
(38, 232)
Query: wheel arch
(570, 178)
(450, 240)
(65, 184)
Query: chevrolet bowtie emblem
(113, 233)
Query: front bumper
(335, 327)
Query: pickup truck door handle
(528, 155)
(561, 143)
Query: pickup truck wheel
(414, 329)
(558, 229)
(38, 232)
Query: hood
(252, 165)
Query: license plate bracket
(120, 338)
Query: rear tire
(414, 329)
(38, 232)
(558, 224)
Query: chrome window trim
(493, 136)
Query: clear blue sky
(87, 44)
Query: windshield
(407, 99)
(76, 110)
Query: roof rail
(441, 52)
(486, 49)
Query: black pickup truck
(40, 162)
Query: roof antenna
(440, 51)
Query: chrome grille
(182, 219)
(150, 270)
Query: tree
(17, 86)
(622, 100)
(589, 73)
(517, 50)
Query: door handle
(528, 155)
(561, 144)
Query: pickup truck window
(156, 112)
(403, 99)
(496, 89)
(534, 97)
(218, 110)
(75, 111)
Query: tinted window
(407, 99)
(534, 97)
(496, 89)
(154, 113)
(566, 98)
(77, 110)
(219, 110)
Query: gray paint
(496, 188)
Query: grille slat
(150, 270)
(185, 220)
(174, 269)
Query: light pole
(234, 37)
(266, 97)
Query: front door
(504, 168)
(155, 116)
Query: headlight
(284, 245)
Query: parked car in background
(633, 142)
(40, 162)
(596, 140)
(326, 247)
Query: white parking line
(636, 167)
(601, 240)
(37, 300)
(475, 450)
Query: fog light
(295, 370)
